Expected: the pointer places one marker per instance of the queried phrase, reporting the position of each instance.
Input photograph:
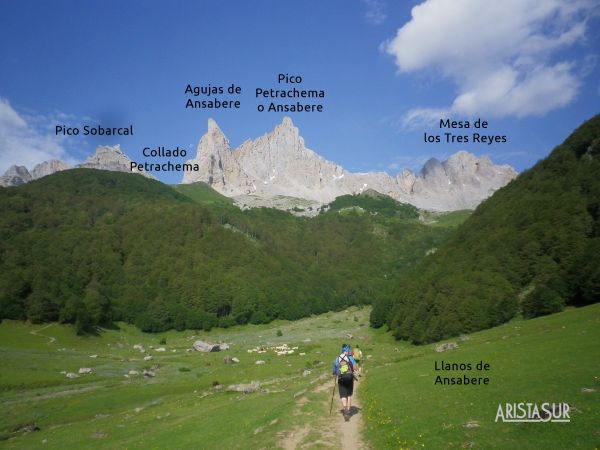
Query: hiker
(358, 356)
(343, 368)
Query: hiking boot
(347, 416)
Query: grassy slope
(450, 219)
(547, 359)
(175, 409)
(202, 193)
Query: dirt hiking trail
(37, 333)
(328, 431)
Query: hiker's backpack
(344, 365)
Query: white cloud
(499, 54)
(28, 139)
(419, 118)
(375, 11)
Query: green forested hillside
(91, 247)
(374, 203)
(532, 247)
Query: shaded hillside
(533, 247)
(91, 247)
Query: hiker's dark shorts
(346, 385)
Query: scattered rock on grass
(471, 424)
(148, 358)
(260, 361)
(148, 373)
(299, 393)
(445, 347)
(245, 388)
(588, 390)
(306, 373)
(25, 428)
(85, 370)
(202, 346)
(72, 375)
(161, 349)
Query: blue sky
(530, 68)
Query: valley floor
(192, 400)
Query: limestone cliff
(279, 164)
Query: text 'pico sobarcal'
(93, 130)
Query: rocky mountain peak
(432, 167)
(105, 158)
(465, 161)
(214, 137)
(212, 125)
(278, 164)
(286, 127)
(48, 168)
(287, 122)
(15, 176)
(110, 158)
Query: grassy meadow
(177, 408)
(550, 359)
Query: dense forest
(91, 247)
(531, 248)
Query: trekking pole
(332, 395)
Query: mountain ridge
(105, 157)
(279, 164)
